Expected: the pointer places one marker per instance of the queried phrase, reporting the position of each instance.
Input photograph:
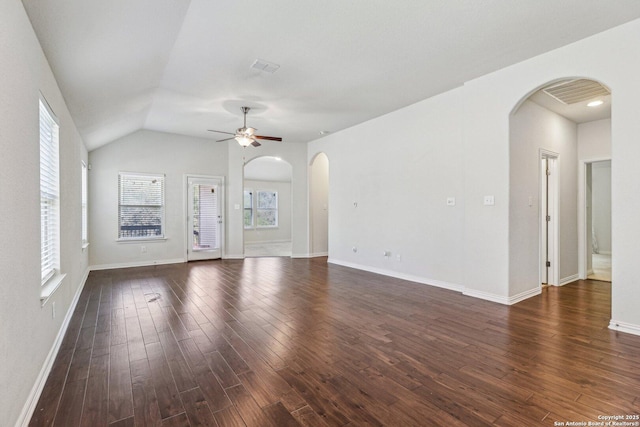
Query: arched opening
(319, 206)
(556, 133)
(267, 207)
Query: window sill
(50, 287)
(142, 239)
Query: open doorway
(562, 124)
(267, 204)
(205, 205)
(598, 220)
(319, 205)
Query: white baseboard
(624, 327)
(36, 391)
(500, 299)
(568, 279)
(233, 256)
(398, 275)
(524, 295)
(262, 242)
(136, 264)
(318, 254)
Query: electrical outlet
(143, 249)
(489, 201)
(451, 201)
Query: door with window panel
(204, 218)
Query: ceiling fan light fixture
(245, 141)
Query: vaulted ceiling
(184, 66)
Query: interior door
(204, 218)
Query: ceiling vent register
(574, 91)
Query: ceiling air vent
(262, 65)
(573, 91)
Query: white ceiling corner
(185, 66)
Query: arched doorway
(554, 133)
(267, 207)
(319, 206)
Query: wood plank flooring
(282, 342)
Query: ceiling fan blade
(256, 143)
(220, 131)
(268, 138)
(226, 139)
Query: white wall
(281, 233)
(457, 144)
(532, 128)
(608, 57)
(319, 205)
(28, 332)
(399, 169)
(147, 152)
(594, 140)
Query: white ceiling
(184, 66)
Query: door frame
(185, 211)
(583, 240)
(554, 205)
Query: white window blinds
(141, 206)
(49, 194)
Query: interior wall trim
(399, 275)
(136, 264)
(568, 279)
(629, 328)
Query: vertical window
(141, 206)
(85, 233)
(267, 209)
(49, 194)
(248, 209)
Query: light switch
(489, 201)
(236, 206)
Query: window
(141, 206)
(248, 209)
(267, 209)
(85, 234)
(49, 194)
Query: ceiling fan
(246, 135)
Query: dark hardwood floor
(279, 342)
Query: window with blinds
(141, 206)
(49, 194)
(85, 232)
(267, 209)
